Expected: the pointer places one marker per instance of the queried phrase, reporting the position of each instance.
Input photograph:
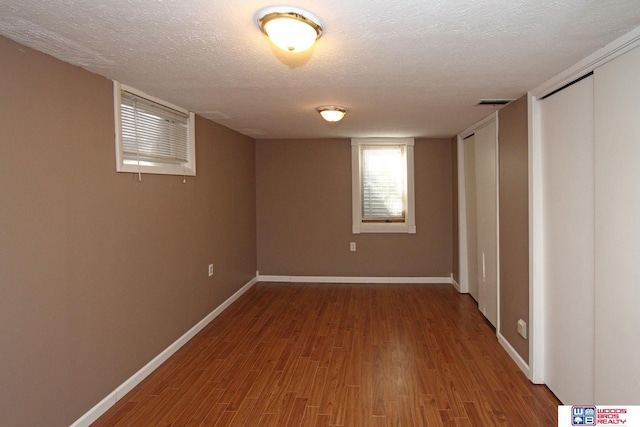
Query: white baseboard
(455, 284)
(106, 403)
(351, 279)
(514, 354)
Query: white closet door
(568, 218)
(487, 221)
(470, 198)
(617, 196)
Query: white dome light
(291, 29)
(331, 113)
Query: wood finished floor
(340, 355)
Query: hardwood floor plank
(425, 411)
(542, 410)
(378, 385)
(244, 413)
(270, 353)
(513, 410)
(334, 355)
(310, 415)
(285, 408)
(215, 414)
(185, 396)
(202, 412)
(476, 416)
(164, 400)
(230, 374)
(266, 376)
(354, 410)
(447, 418)
(405, 404)
(484, 376)
(225, 419)
(322, 420)
(268, 420)
(490, 409)
(113, 417)
(392, 414)
(193, 405)
(457, 382)
(464, 422)
(297, 413)
(437, 388)
(333, 398)
(305, 383)
(239, 393)
(319, 384)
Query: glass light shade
(290, 35)
(332, 113)
(292, 30)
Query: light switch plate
(522, 328)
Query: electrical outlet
(210, 270)
(352, 246)
(522, 328)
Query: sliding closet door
(617, 167)
(487, 220)
(568, 217)
(470, 200)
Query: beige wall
(304, 213)
(514, 222)
(100, 272)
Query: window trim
(409, 224)
(159, 168)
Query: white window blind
(152, 135)
(383, 183)
(152, 132)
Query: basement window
(152, 136)
(383, 185)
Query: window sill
(384, 228)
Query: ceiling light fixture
(331, 113)
(290, 28)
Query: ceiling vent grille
(494, 101)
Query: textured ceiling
(401, 67)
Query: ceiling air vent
(494, 101)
